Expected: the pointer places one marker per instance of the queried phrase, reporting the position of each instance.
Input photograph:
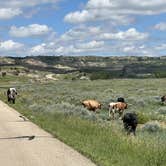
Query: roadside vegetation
(56, 107)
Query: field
(55, 106)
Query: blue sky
(83, 27)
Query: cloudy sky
(83, 27)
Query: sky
(83, 27)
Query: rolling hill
(93, 66)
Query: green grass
(56, 108)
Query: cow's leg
(13, 101)
(134, 129)
(127, 128)
(93, 109)
(113, 114)
(109, 112)
(120, 114)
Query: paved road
(18, 149)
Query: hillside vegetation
(94, 67)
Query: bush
(140, 102)
(162, 110)
(151, 127)
(37, 108)
(142, 118)
(71, 109)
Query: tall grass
(56, 108)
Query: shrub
(162, 110)
(151, 127)
(142, 118)
(71, 109)
(37, 108)
(140, 102)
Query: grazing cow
(130, 122)
(121, 99)
(11, 95)
(163, 99)
(116, 107)
(91, 105)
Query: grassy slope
(56, 108)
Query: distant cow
(11, 95)
(121, 99)
(116, 107)
(130, 122)
(91, 105)
(163, 99)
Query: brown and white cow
(116, 107)
(91, 105)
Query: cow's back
(91, 104)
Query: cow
(121, 99)
(163, 99)
(130, 121)
(116, 107)
(91, 105)
(11, 95)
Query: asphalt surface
(23, 143)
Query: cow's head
(163, 98)
(83, 104)
(14, 92)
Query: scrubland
(56, 107)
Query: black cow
(121, 99)
(11, 95)
(163, 99)
(130, 122)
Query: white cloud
(24, 3)
(52, 49)
(10, 45)
(161, 47)
(161, 26)
(130, 34)
(79, 16)
(8, 13)
(97, 15)
(12, 8)
(81, 33)
(144, 7)
(66, 49)
(90, 45)
(135, 49)
(43, 49)
(29, 31)
(39, 49)
(128, 49)
(116, 10)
